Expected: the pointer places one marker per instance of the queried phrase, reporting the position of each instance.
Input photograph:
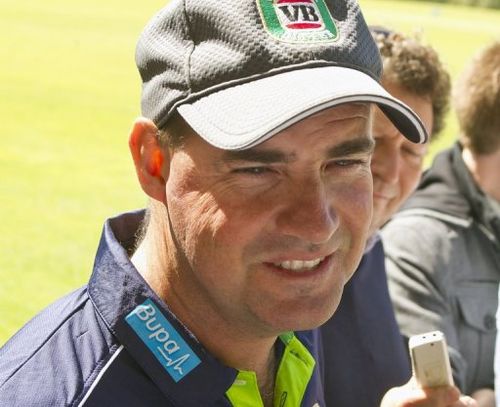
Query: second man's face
(397, 162)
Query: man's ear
(150, 160)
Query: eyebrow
(362, 144)
(358, 145)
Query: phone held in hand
(430, 360)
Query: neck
(150, 259)
(229, 342)
(267, 380)
(484, 169)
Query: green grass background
(69, 92)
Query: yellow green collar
(294, 372)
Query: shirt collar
(164, 348)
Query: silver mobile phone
(430, 360)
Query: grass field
(68, 95)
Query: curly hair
(416, 68)
(476, 100)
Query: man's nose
(309, 214)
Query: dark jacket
(443, 264)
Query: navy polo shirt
(115, 343)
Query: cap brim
(247, 114)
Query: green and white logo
(305, 21)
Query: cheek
(194, 216)
(244, 213)
(215, 226)
(191, 212)
(355, 202)
(409, 180)
(355, 212)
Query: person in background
(443, 248)
(363, 332)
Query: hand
(412, 395)
(484, 397)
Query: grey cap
(240, 71)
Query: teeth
(296, 265)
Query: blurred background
(69, 92)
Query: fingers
(465, 401)
(411, 395)
(442, 396)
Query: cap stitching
(190, 52)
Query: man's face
(267, 237)
(397, 162)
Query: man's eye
(252, 170)
(414, 156)
(347, 163)
(412, 153)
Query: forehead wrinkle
(260, 155)
(346, 116)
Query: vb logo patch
(163, 341)
(303, 21)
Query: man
(444, 274)
(257, 167)
(363, 332)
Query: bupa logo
(298, 20)
(163, 340)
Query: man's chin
(306, 325)
(313, 318)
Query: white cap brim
(247, 114)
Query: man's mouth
(299, 265)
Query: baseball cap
(241, 71)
